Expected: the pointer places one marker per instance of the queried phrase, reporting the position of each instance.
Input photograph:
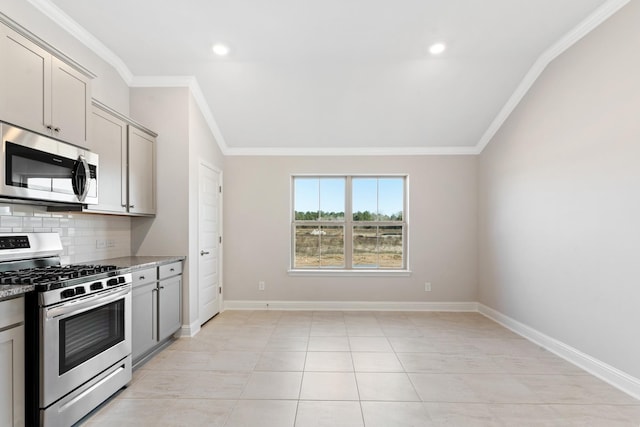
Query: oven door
(82, 338)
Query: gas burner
(53, 276)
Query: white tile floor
(373, 369)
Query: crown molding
(354, 151)
(65, 22)
(582, 29)
(192, 83)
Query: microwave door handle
(87, 177)
(80, 306)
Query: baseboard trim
(189, 330)
(605, 372)
(350, 305)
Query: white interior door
(209, 232)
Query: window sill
(349, 273)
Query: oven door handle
(80, 306)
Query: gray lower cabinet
(144, 319)
(156, 307)
(170, 319)
(12, 362)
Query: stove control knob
(96, 286)
(68, 293)
(80, 290)
(112, 282)
(121, 279)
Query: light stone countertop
(134, 263)
(130, 263)
(12, 291)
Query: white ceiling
(344, 75)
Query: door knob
(203, 253)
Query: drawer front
(142, 277)
(169, 270)
(11, 312)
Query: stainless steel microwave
(39, 168)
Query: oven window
(90, 333)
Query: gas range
(32, 259)
(77, 328)
(53, 276)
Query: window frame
(348, 223)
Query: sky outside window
(315, 194)
(376, 195)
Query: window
(349, 223)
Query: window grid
(348, 225)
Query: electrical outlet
(427, 286)
(261, 285)
(101, 244)
(111, 243)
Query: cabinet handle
(124, 206)
(49, 127)
(141, 277)
(172, 269)
(132, 206)
(56, 129)
(203, 253)
(161, 287)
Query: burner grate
(50, 274)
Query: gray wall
(166, 111)
(559, 200)
(442, 215)
(183, 138)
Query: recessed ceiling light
(437, 48)
(220, 49)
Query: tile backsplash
(85, 237)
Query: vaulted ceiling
(343, 76)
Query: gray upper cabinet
(70, 103)
(126, 174)
(108, 138)
(40, 92)
(142, 198)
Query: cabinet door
(12, 377)
(170, 304)
(141, 172)
(70, 100)
(108, 138)
(25, 82)
(144, 326)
